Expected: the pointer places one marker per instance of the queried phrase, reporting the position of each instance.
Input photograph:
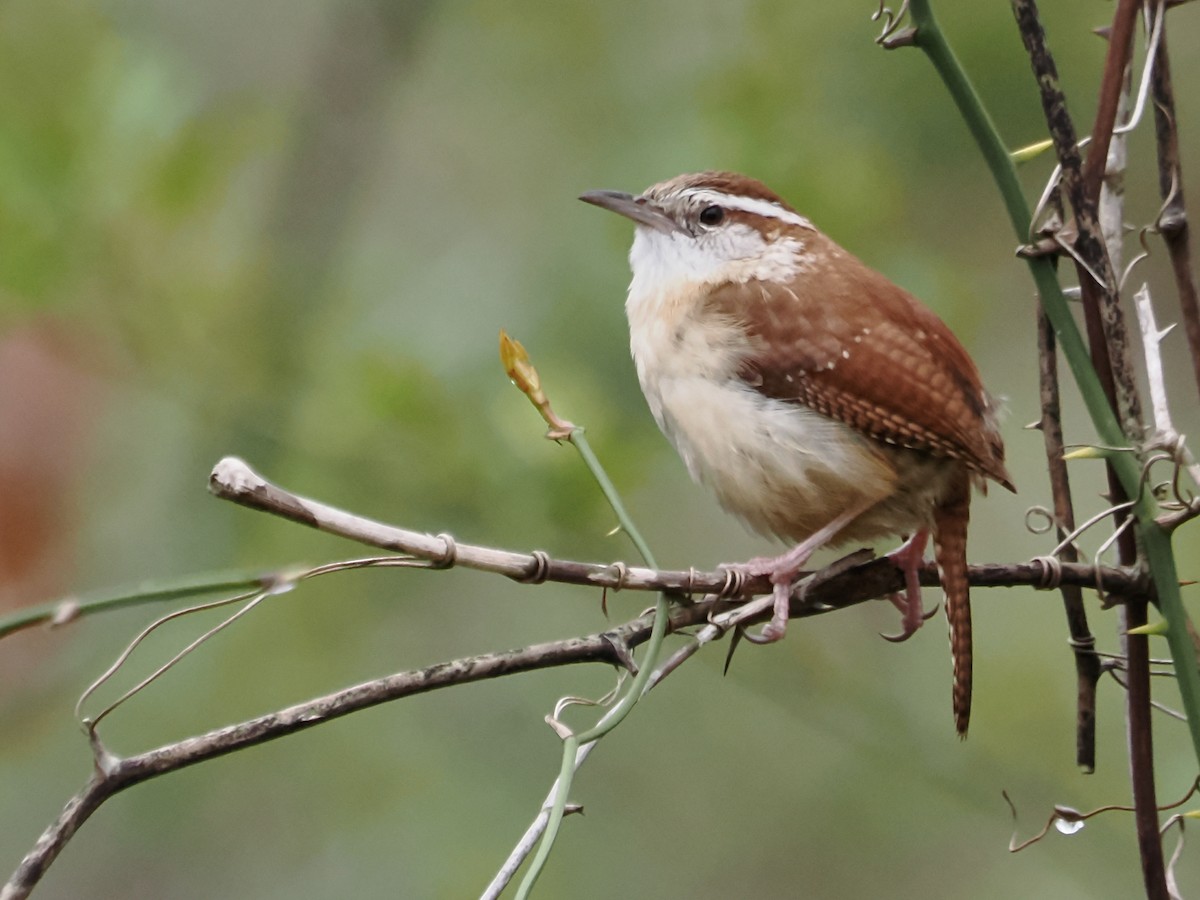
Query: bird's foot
(908, 558)
(782, 593)
(782, 570)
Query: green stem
(622, 708)
(1155, 542)
(566, 775)
(580, 442)
(71, 608)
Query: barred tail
(950, 549)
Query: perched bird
(820, 402)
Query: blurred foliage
(291, 233)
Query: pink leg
(908, 558)
(783, 570)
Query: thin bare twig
(1087, 666)
(121, 773)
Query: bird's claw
(910, 624)
(771, 632)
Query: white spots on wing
(829, 365)
(921, 335)
(845, 354)
(858, 339)
(788, 378)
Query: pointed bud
(518, 367)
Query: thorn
(1030, 151)
(1044, 247)
(904, 37)
(1159, 627)
(622, 652)
(733, 642)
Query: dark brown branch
(1087, 664)
(1110, 352)
(1112, 86)
(1173, 218)
(1105, 322)
(114, 776)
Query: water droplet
(1069, 826)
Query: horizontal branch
(233, 480)
(852, 580)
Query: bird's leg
(782, 571)
(908, 558)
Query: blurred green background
(292, 231)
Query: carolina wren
(819, 401)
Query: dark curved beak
(637, 208)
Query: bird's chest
(782, 467)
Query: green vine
(1154, 540)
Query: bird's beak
(637, 208)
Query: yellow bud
(519, 368)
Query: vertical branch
(1140, 737)
(927, 35)
(1172, 219)
(1109, 345)
(1087, 664)
(1107, 335)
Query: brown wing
(841, 339)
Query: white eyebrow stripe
(750, 205)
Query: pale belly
(786, 470)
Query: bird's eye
(711, 215)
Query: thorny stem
(1140, 736)
(1111, 355)
(1087, 664)
(1105, 322)
(1155, 541)
(1173, 218)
